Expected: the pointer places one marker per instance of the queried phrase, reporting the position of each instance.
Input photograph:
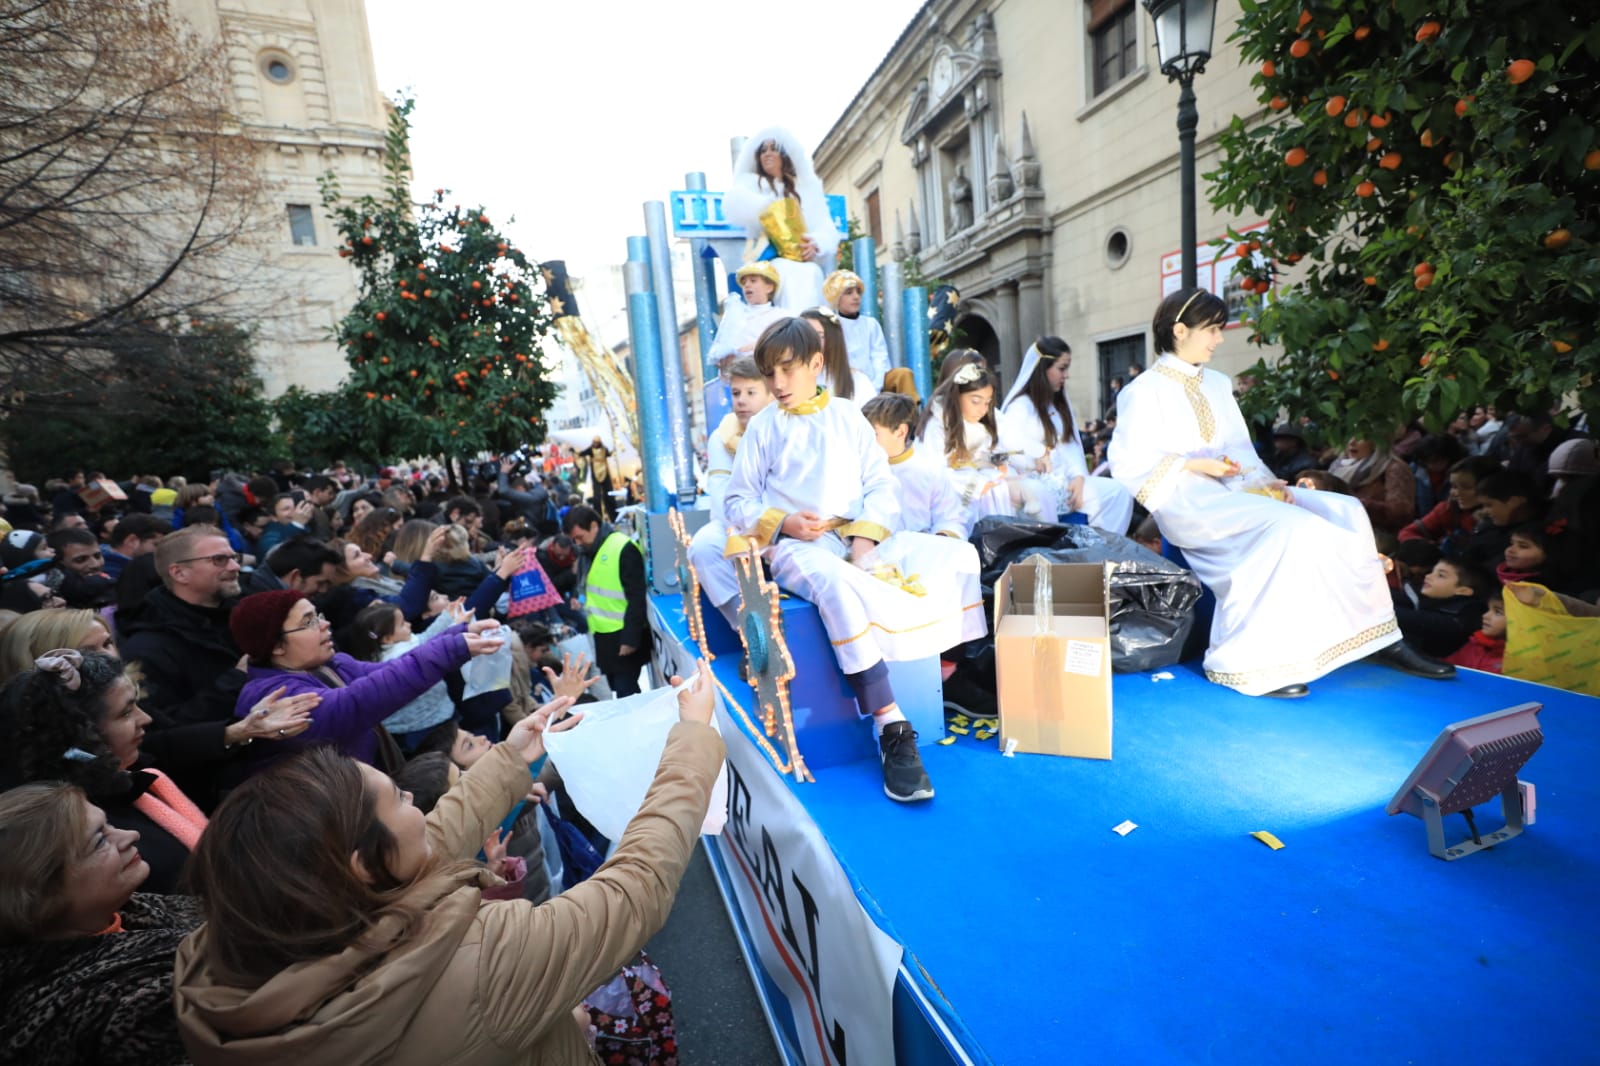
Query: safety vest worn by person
(604, 600)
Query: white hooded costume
(749, 194)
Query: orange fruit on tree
(1278, 103)
(1450, 159)
(1335, 106)
(1390, 161)
(1363, 32)
(1428, 31)
(380, 316)
(1463, 104)
(1380, 121)
(1255, 246)
(1366, 189)
(1320, 177)
(1381, 346)
(1295, 156)
(1421, 269)
(1305, 20)
(1591, 161)
(1426, 359)
(1427, 139)
(1374, 144)
(1557, 239)
(1561, 346)
(1269, 69)
(1423, 281)
(1370, 279)
(1520, 71)
(1322, 34)
(1300, 49)
(1352, 119)
(1333, 375)
(1242, 248)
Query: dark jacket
(1440, 627)
(98, 999)
(460, 579)
(531, 505)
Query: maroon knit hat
(257, 621)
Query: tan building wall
(305, 89)
(1034, 258)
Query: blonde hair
(181, 545)
(41, 827)
(411, 538)
(457, 546)
(38, 632)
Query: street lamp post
(1183, 44)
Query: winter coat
(1439, 627)
(460, 579)
(1443, 522)
(103, 999)
(367, 694)
(490, 983)
(1481, 652)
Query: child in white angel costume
(1300, 586)
(1039, 427)
(812, 491)
(749, 393)
(776, 197)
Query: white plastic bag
(608, 760)
(491, 672)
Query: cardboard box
(101, 494)
(1054, 688)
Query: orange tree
(1435, 163)
(444, 343)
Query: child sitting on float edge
(928, 504)
(812, 490)
(749, 392)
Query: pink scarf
(166, 805)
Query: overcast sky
(572, 123)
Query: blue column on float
(644, 334)
(676, 399)
(915, 306)
(865, 253)
(894, 334)
(705, 278)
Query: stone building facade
(305, 90)
(1026, 151)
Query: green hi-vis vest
(604, 599)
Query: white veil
(747, 196)
(1024, 375)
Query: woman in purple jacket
(289, 645)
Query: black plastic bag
(1152, 598)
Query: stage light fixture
(1469, 764)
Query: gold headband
(1186, 304)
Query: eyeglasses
(313, 622)
(219, 560)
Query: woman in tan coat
(343, 927)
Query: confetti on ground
(1268, 839)
(984, 734)
(1123, 828)
(1162, 676)
(959, 729)
(947, 741)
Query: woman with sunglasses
(290, 646)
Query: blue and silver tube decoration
(676, 397)
(894, 332)
(644, 335)
(865, 254)
(918, 358)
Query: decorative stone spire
(1000, 184)
(897, 250)
(1026, 170)
(914, 239)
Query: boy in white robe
(750, 394)
(812, 490)
(928, 504)
(869, 351)
(743, 322)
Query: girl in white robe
(1299, 584)
(1055, 454)
(838, 376)
(959, 429)
(776, 197)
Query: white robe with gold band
(981, 486)
(1300, 588)
(720, 584)
(822, 457)
(927, 502)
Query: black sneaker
(904, 779)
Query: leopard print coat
(98, 999)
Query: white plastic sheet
(608, 760)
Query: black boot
(1403, 657)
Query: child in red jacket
(1486, 649)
